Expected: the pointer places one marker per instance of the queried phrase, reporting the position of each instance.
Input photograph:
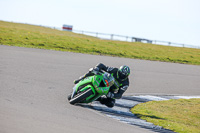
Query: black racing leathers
(120, 85)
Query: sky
(166, 20)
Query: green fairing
(93, 83)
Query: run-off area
(121, 110)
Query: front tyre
(81, 96)
(69, 97)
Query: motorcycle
(91, 88)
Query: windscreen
(109, 79)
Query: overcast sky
(167, 20)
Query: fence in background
(132, 39)
(123, 38)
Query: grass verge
(23, 35)
(182, 115)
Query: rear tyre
(81, 96)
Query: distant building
(67, 27)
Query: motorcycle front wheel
(81, 96)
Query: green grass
(181, 115)
(23, 35)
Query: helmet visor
(122, 75)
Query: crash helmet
(124, 72)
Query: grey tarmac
(34, 84)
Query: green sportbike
(91, 88)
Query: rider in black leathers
(120, 86)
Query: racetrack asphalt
(34, 84)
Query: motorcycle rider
(120, 86)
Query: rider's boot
(102, 100)
(109, 102)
